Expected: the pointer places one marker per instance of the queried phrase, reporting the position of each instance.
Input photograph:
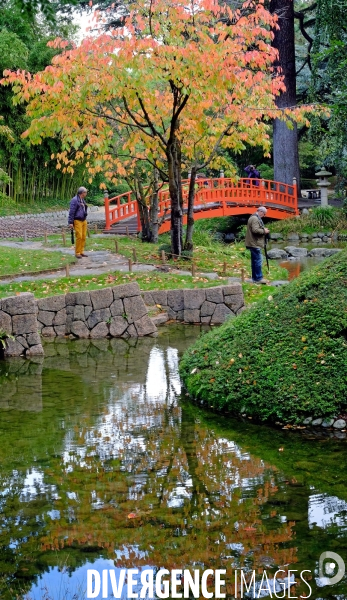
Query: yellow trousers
(80, 228)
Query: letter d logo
(326, 569)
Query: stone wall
(121, 311)
(210, 306)
(18, 318)
(114, 312)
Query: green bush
(166, 248)
(284, 359)
(319, 218)
(266, 171)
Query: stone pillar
(323, 183)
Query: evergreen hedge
(284, 359)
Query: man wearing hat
(78, 220)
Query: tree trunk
(285, 141)
(188, 244)
(137, 188)
(153, 211)
(175, 189)
(146, 233)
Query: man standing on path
(255, 241)
(78, 220)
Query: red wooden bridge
(213, 198)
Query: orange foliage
(193, 69)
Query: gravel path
(10, 228)
(35, 225)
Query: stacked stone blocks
(111, 312)
(114, 312)
(209, 306)
(18, 318)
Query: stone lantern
(105, 194)
(323, 184)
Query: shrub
(166, 248)
(318, 218)
(284, 359)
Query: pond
(295, 266)
(106, 466)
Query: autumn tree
(179, 75)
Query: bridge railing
(212, 194)
(119, 208)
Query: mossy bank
(283, 360)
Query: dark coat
(255, 235)
(78, 210)
(253, 174)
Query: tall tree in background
(285, 138)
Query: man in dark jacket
(78, 220)
(253, 174)
(255, 241)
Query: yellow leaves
(304, 339)
(224, 81)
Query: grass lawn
(209, 255)
(147, 281)
(15, 261)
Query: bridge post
(107, 210)
(295, 189)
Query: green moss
(284, 359)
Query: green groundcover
(283, 360)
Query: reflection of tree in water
(113, 463)
(149, 478)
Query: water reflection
(325, 510)
(112, 469)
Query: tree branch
(155, 132)
(300, 16)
